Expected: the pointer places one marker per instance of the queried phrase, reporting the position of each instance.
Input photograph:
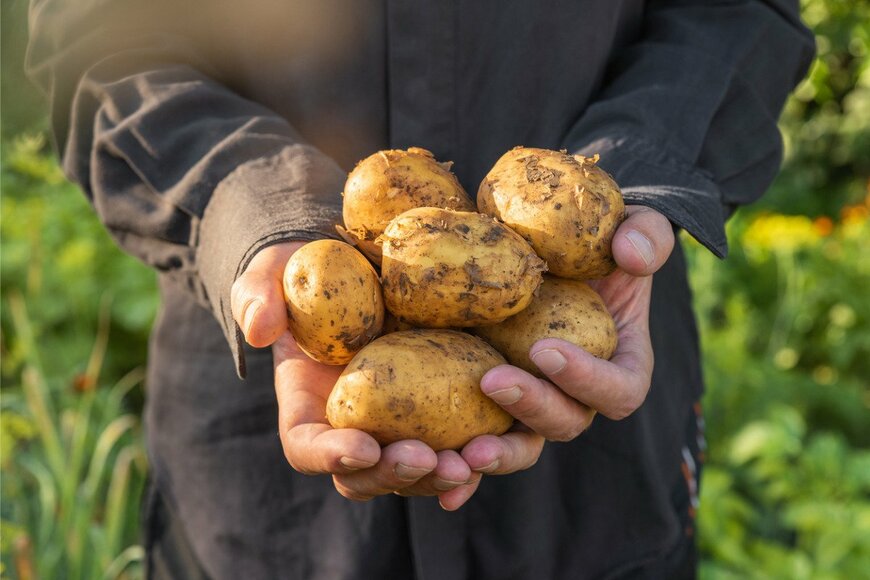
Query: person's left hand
(581, 384)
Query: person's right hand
(360, 469)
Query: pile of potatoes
(459, 291)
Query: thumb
(257, 296)
(643, 242)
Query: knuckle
(534, 457)
(627, 406)
(637, 400)
(528, 407)
(294, 461)
(532, 461)
(241, 288)
(237, 294)
(238, 285)
(288, 454)
(300, 467)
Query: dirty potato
(565, 309)
(564, 205)
(334, 301)
(393, 324)
(443, 269)
(390, 182)
(419, 384)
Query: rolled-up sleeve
(686, 120)
(186, 175)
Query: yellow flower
(775, 232)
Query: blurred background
(785, 325)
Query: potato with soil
(390, 182)
(393, 324)
(564, 205)
(566, 309)
(444, 268)
(334, 301)
(419, 384)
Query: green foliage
(785, 326)
(826, 124)
(61, 258)
(72, 457)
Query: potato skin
(334, 301)
(564, 205)
(390, 182)
(443, 269)
(419, 384)
(393, 324)
(566, 309)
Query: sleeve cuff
(648, 176)
(294, 194)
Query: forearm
(186, 174)
(686, 122)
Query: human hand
(361, 470)
(581, 384)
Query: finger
(544, 408)
(643, 242)
(454, 499)
(402, 464)
(514, 451)
(315, 448)
(450, 473)
(310, 444)
(615, 388)
(257, 296)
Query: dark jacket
(204, 131)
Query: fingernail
(550, 361)
(488, 468)
(507, 396)
(352, 463)
(407, 473)
(446, 484)
(642, 245)
(250, 312)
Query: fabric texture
(205, 131)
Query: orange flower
(823, 225)
(852, 214)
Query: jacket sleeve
(686, 121)
(187, 175)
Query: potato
(565, 206)
(393, 324)
(565, 309)
(419, 384)
(388, 183)
(334, 301)
(443, 268)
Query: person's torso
(465, 79)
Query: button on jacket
(205, 131)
